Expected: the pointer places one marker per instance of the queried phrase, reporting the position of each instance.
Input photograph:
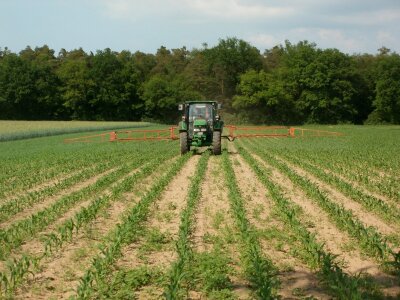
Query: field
(270, 218)
(16, 130)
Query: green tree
(262, 98)
(197, 74)
(228, 60)
(162, 95)
(387, 101)
(75, 84)
(16, 88)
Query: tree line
(287, 84)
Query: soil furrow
(215, 227)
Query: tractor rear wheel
(184, 142)
(217, 142)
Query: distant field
(270, 218)
(16, 130)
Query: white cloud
(323, 37)
(385, 38)
(186, 9)
(368, 18)
(237, 9)
(351, 26)
(263, 41)
(338, 37)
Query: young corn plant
(87, 214)
(339, 283)
(387, 211)
(17, 271)
(370, 239)
(125, 232)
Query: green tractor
(200, 126)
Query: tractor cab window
(200, 111)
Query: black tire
(217, 142)
(184, 142)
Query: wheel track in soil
(61, 272)
(214, 200)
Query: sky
(352, 26)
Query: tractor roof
(200, 101)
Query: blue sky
(352, 26)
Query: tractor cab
(200, 125)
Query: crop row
(371, 203)
(20, 170)
(357, 165)
(52, 163)
(370, 239)
(362, 174)
(64, 233)
(126, 231)
(340, 284)
(16, 233)
(16, 205)
(259, 270)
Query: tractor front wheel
(217, 142)
(184, 142)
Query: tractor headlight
(196, 129)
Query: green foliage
(387, 101)
(290, 83)
(124, 283)
(210, 272)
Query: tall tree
(75, 84)
(387, 101)
(17, 86)
(228, 60)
